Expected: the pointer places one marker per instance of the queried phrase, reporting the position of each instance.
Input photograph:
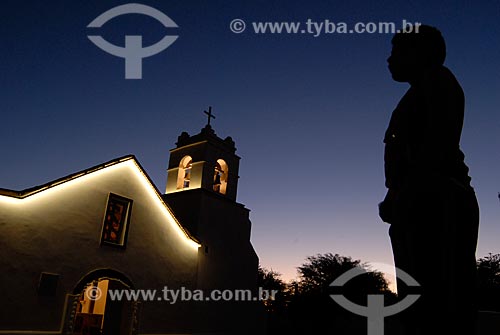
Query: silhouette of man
(430, 203)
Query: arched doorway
(95, 311)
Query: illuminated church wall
(79, 233)
(58, 230)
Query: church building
(103, 251)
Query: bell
(217, 179)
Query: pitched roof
(36, 189)
(33, 190)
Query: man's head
(414, 51)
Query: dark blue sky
(307, 113)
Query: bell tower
(202, 183)
(204, 161)
(201, 191)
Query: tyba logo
(133, 52)
(375, 310)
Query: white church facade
(67, 245)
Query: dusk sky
(307, 113)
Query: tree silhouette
(270, 280)
(305, 307)
(313, 311)
(320, 271)
(488, 282)
(278, 318)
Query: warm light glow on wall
(52, 191)
(176, 176)
(222, 170)
(10, 200)
(156, 198)
(184, 173)
(51, 194)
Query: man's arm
(437, 137)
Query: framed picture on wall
(116, 221)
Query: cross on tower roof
(210, 115)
